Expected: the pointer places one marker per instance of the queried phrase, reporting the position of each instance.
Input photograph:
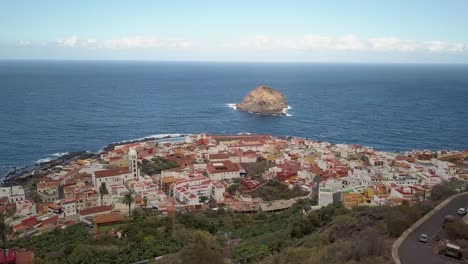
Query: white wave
(59, 154)
(285, 111)
(51, 157)
(42, 160)
(155, 136)
(233, 106)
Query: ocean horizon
(48, 108)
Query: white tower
(133, 163)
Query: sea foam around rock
(285, 110)
(51, 157)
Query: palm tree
(5, 231)
(128, 200)
(145, 202)
(103, 190)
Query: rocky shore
(263, 100)
(21, 175)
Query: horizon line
(232, 61)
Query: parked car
(450, 249)
(423, 238)
(461, 211)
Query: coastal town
(239, 173)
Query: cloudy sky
(415, 31)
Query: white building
(325, 196)
(25, 207)
(14, 193)
(225, 170)
(122, 174)
(112, 176)
(69, 207)
(405, 180)
(186, 190)
(133, 162)
(217, 191)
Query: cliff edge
(263, 100)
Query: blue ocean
(51, 107)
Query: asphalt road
(412, 251)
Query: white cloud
(439, 46)
(69, 42)
(393, 44)
(137, 42)
(24, 43)
(316, 42)
(309, 42)
(89, 43)
(348, 42)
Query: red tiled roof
(112, 172)
(49, 220)
(108, 218)
(244, 137)
(219, 156)
(42, 185)
(96, 209)
(227, 166)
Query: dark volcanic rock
(23, 174)
(264, 100)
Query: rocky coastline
(20, 175)
(264, 100)
(23, 174)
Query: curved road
(412, 251)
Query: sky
(397, 31)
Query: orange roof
(112, 172)
(96, 209)
(44, 206)
(219, 156)
(55, 206)
(19, 227)
(224, 166)
(169, 179)
(42, 185)
(49, 220)
(24, 257)
(395, 200)
(108, 218)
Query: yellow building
(273, 157)
(310, 159)
(353, 199)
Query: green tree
(203, 199)
(232, 188)
(443, 190)
(457, 229)
(128, 200)
(251, 252)
(202, 249)
(5, 231)
(144, 205)
(138, 213)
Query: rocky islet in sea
(264, 100)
